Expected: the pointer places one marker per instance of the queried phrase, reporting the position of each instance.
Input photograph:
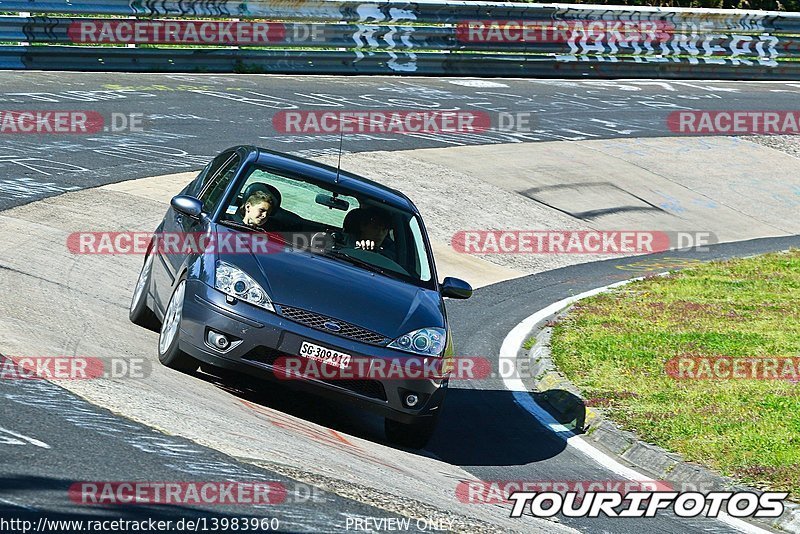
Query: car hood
(342, 291)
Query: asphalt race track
(51, 438)
(188, 118)
(85, 443)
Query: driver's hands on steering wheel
(365, 244)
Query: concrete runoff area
(733, 187)
(729, 186)
(67, 304)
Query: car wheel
(168, 351)
(139, 313)
(411, 435)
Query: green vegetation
(616, 347)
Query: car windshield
(342, 225)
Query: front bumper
(262, 336)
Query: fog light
(411, 400)
(218, 340)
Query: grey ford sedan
(344, 289)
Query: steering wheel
(376, 258)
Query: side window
(202, 179)
(215, 165)
(197, 184)
(212, 192)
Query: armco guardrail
(426, 38)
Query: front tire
(169, 352)
(139, 313)
(411, 435)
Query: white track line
(18, 505)
(511, 345)
(32, 441)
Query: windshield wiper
(355, 261)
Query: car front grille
(317, 321)
(367, 388)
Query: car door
(169, 263)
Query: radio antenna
(341, 139)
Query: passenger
(256, 209)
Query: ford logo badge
(333, 327)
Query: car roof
(326, 174)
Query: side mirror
(187, 205)
(455, 288)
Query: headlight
(425, 341)
(234, 282)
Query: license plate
(326, 356)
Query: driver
(370, 229)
